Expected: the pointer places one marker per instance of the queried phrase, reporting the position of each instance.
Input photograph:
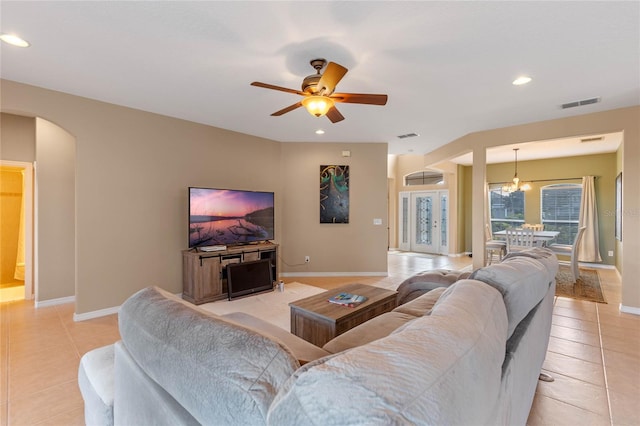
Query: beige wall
(466, 177)
(392, 199)
(626, 120)
(356, 248)
(132, 170)
(55, 212)
(17, 138)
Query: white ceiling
(446, 66)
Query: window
(424, 178)
(506, 209)
(560, 210)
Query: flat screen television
(229, 217)
(249, 277)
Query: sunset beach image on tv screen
(225, 216)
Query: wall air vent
(408, 135)
(580, 103)
(593, 139)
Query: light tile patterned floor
(594, 355)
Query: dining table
(541, 238)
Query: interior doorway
(16, 230)
(424, 221)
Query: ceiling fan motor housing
(310, 82)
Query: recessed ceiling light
(14, 40)
(319, 132)
(521, 80)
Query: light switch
(377, 221)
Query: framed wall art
(334, 194)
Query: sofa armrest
(301, 349)
(421, 305)
(425, 281)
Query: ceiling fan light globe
(317, 105)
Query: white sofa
(470, 353)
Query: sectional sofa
(466, 353)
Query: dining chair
(493, 247)
(572, 251)
(519, 239)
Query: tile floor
(594, 355)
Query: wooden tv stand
(204, 277)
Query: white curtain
(589, 250)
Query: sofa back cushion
(442, 368)
(523, 282)
(219, 371)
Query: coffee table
(317, 321)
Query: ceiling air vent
(408, 135)
(593, 139)
(581, 103)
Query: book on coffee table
(347, 299)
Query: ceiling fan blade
(334, 115)
(287, 109)
(330, 78)
(360, 98)
(282, 89)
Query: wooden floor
(594, 355)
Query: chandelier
(515, 186)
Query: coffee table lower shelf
(317, 321)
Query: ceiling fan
(318, 91)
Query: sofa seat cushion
(443, 368)
(218, 370)
(374, 329)
(425, 281)
(523, 282)
(421, 305)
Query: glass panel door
(403, 223)
(423, 224)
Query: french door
(424, 221)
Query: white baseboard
(54, 302)
(96, 314)
(102, 312)
(629, 310)
(333, 274)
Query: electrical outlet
(307, 259)
(610, 253)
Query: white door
(424, 221)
